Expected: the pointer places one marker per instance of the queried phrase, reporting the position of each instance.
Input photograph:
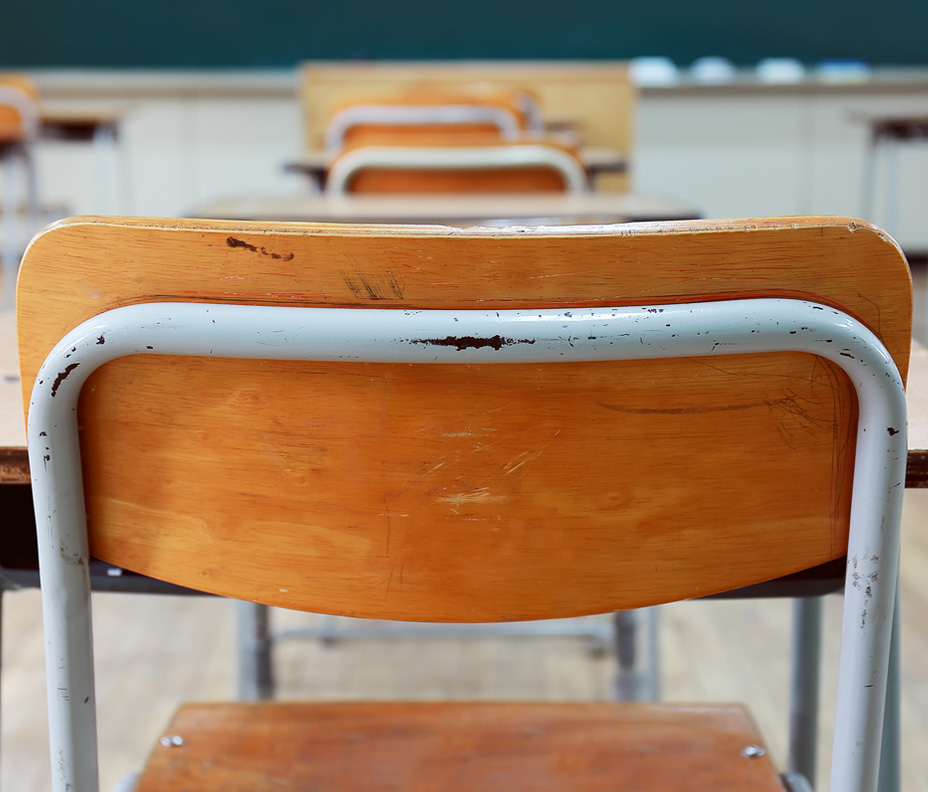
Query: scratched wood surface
(531, 179)
(495, 747)
(596, 100)
(465, 493)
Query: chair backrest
(19, 108)
(473, 165)
(466, 425)
(442, 115)
(573, 488)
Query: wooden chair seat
(459, 746)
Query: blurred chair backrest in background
(473, 166)
(362, 120)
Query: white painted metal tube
(417, 115)
(428, 158)
(407, 336)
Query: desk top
(78, 123)
(596, 159)
(14, 464)
(897, 127)
(534, 208)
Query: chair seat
(351, 747)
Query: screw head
(172, 741)
(753, 752)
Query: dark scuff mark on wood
(232, 242)
(62, 376)
(461, 343)
(365, 288)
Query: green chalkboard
(275, 33)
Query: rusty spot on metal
(62, 376)
(461, 343)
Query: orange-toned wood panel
(487, 746)
(595, 100)
(465, 493)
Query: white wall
(775, 150)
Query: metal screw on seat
(172, 741)
(753, 752)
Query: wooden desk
(598, 98)
(101, 128)
(81, 125)
(596, 160)
(529, 208)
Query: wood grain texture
(597, 100)
(486, 746)
(474, 493)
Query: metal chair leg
(255, 670)
(891, 755)
(637, 671)
(804, 694)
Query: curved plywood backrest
(18, 108)
(440, 114)
(464, 492)
(472, 165)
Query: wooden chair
(442, 115)
(475, 165)
(261, 415)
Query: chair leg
(637, 671)
(804, 694)
(255, 671)
(891, 756)
(9, 243)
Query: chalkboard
(276, 33)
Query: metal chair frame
(427, 158)
(419, 115)
(637, 333)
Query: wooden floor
(153, 652)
